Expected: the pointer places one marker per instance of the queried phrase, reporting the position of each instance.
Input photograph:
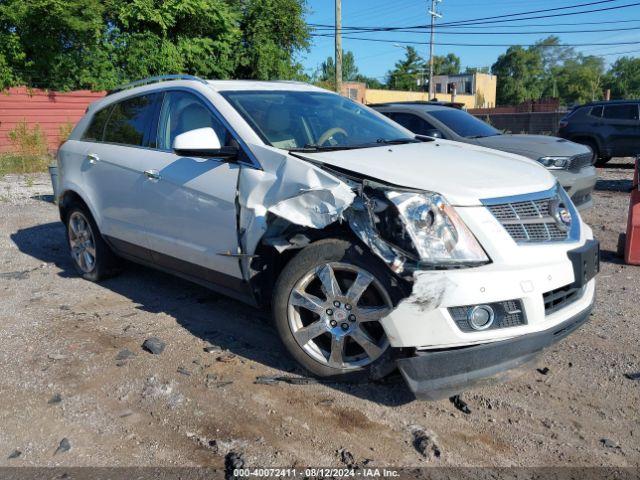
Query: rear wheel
(91, 256)
(328, 304)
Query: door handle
(93, 158)
(152, 174)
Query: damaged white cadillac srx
(375, 249)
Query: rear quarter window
(95, 131)
(621, 112)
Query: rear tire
(327, 304)
(90, 254)
(600, 161)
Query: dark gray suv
(610, 129)
(571, 163)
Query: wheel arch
(72, 197)
(268, 263)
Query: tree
(624, 78)
(473, 70)
(327, 70)
(580, 79)
(97, 44)
(407, 72)
(554, 55)
(325, 76)
(272, 33)
(446, 65)
(519, 73)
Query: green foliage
(624, 78)
(446, 65)
(72, 44)
(519, 72)
(29, 153)
(580, 79)
(28, 141)
(407, 72)
(326, 74)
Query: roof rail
(150, 80)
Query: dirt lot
(66, 372)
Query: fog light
(480, 317)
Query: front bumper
(579, 185)
(432, 375)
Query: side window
(130, 121)
(182, 112)
(414, 123)
(621, 112)
(596, 111)
(95, 131)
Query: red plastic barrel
(632, 246)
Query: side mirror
(435, 133)
(202, 142)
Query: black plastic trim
(432, 375)
(225, 284)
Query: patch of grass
(29, 150)
(19, 163)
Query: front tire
(91, 256)
(327, 305)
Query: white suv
(375, 248)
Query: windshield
(313, 120)
(464, 124)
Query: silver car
(570, 162)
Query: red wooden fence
(50, 110)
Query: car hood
(464, 174)
(534, 146)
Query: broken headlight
(438, 234)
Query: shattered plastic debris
(65, 446)
(268, 380)
(633, 376)
(543, 371)
(460, 404)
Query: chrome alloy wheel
(82, 243)
(334, 313)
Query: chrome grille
(578, 162)
(529, 221)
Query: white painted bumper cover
(423, 320)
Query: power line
(534, 32)
(482, 44)
(568, 7)
(500, 19)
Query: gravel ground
(73, 368)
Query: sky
(375, 59)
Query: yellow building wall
(386, 96)
(485, 94)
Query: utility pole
(434, 14)
(338, 35)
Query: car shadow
(609, 256)
(620, 185)
(223, 322)
(619, 165)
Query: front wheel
(328, 303)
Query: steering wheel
(330, 133)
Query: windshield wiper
(311, 147)
(397, 141)
(483, 136)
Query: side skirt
(218, 282)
